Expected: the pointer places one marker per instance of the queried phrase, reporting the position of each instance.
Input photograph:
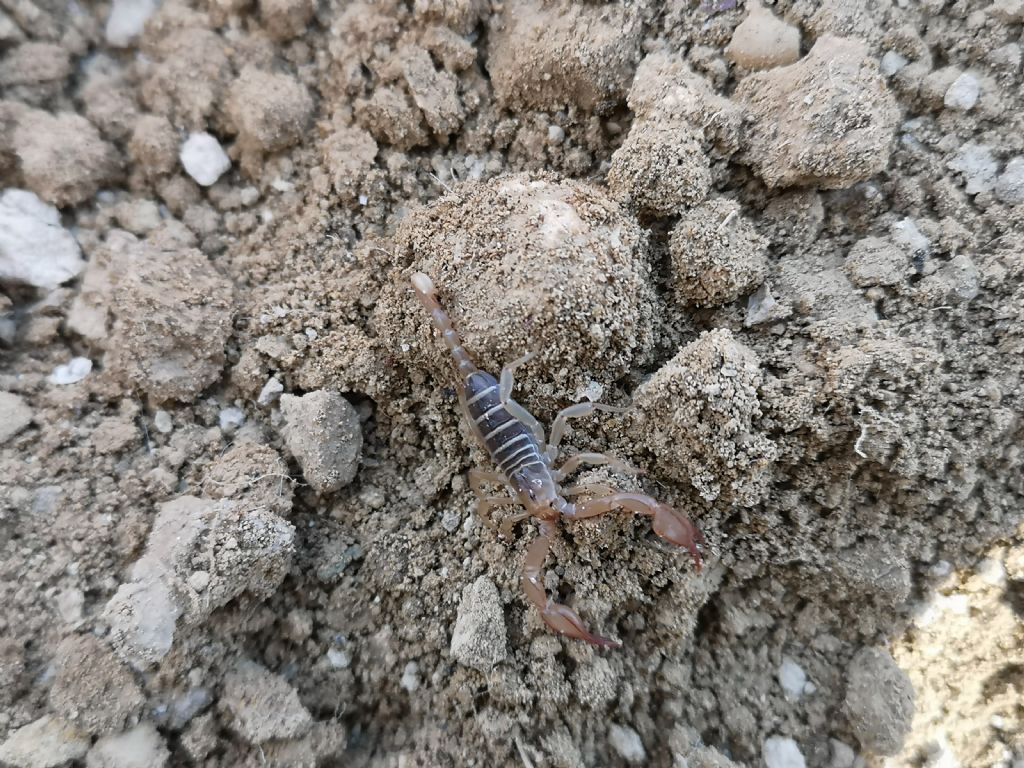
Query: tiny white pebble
(162, 422)
(992, 572)
(411, 677)
(556, 134)
(337, 658)
(892, 63)
(627, 743)
(231, 419)
(780, 752)
(940, 569)
(281, 185)
(199, 580)
(792, 678)
(203, 158)
(963, 93)
(363, 199)
(270, 392)
(76, 369)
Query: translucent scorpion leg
(595, 460)
(507, 381)
(505, 386)
(485, 504)
(477, 478)
(671, 525)
(560, 618)
(509, 523)
(574, 412)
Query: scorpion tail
(426, 293)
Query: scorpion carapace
(515, 442)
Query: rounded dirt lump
(324, 435)
(826, 121)
(717, 256)
(879, 701)
(697, 416)
(533, 263)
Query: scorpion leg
(669, 524)
(561, 618)
(505, 386)
(574, 412)
(595, 460)
(477, 478)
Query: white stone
(992, 572)
(556, 134)
(34, 246)
(162, 422)
(71, 372)
(792, 678)
(127, 19)
(780, 752)
(231, 419)
(905, 234)
(337, 658)
(140, 747)
(199, 580)
(270, 392)
(963, 93)
(978, 166)
(627, 743)
(44, 743)
(1010, 186)
(411, 677)
(892, 63)
(940, 569)
(843, 755)
(203, 158)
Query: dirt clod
(478, 639)
(324, 435)
(262, 706)
(827, 120)
(879, 700)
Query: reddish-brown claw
(676, 528)
(566, 621)
(561, 618)
(668, 523)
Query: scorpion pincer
(515, 442)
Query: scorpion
(514, 440)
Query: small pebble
(204, 159)
(978, 166)
(199, 580)
(963, 93)
(1010, 185)
(905, 234)
(270, 392)
(627, 743)
(162, 422)
(338, 659)
(792, 678)
(992, 572)
(780, 752)
(127, 19)
(451, 520)
(73, 371)
(231, 419)
(892, 63)
(556, 135)
(411, 676)
(843, 755)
